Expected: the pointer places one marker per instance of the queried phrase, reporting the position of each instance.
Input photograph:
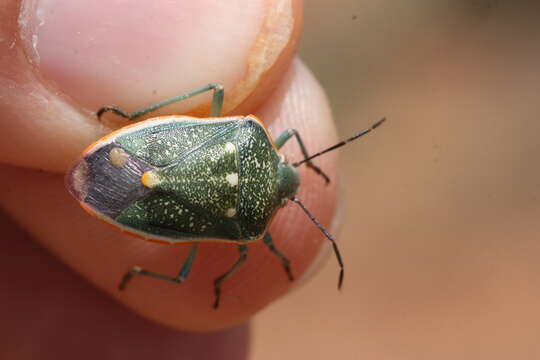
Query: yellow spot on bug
(150, 179)
(118, 157)
(230, 212)
(232, 179)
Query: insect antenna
(328, 236)
(341, 143)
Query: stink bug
(179, 179)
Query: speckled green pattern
(163, 144)
(258, 180)
(206, 179)
(222, 184)
(167, 215)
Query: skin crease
(49, 303)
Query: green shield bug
(179, 179)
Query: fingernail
(133, 53)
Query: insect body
(179, 179)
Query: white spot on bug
(232, 179)
(230, 212)
(229, 147)
(118, 157)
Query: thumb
(54, 81)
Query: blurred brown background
(441, 238)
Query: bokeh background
(441, 237)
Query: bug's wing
(103, 186)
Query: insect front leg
(217, 283)
(285, 136)
(284, 260)
(182, 274)
(215, 109)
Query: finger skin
(39, 202)
(50, 313)
(61, 61)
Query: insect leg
(286, 262)
(182, 274)
(285, 136)
(328, 236)
(217, 283)
(215, 110)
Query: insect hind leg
(284, 260)
(217, 283)
(178, 279)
